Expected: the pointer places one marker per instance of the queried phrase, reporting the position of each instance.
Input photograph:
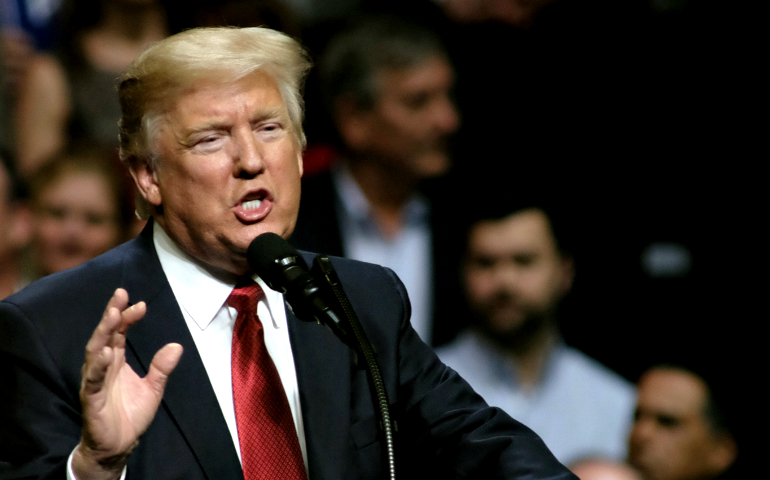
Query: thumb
(163, 363)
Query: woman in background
(70, 95)
(80, 210)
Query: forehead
(526, 230)
(433, 73)
(73, 184)
(211, 99)
(673, 392)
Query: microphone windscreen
(265, 250)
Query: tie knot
(245, 296)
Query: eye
(482, 262)
(57, 213)
(98, 219)
(416, 101)
(525, 259)
(668, 421)
(269, 131)
(209, 143)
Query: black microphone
(281, 266)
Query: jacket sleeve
(39, 411)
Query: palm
(118, 405)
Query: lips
(254, 206)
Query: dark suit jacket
(445, 429)
(318, 230)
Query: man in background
(387, 87)
(516, 271)
(680, 429)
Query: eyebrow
(220, 125)
(268, 113)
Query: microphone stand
(324, 273)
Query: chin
(506, 324)
(257, 229)
(432, 164)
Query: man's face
(411, 120)
(229, 170)
(514, 273)
(671, 439)
(76, 219)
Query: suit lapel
(189, 399)
(323, 374)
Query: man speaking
(195, 369)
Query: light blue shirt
(580, 408)
(409, 253)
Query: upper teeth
(252, 204)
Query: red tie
(269, 444)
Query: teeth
(252, 204)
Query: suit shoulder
(354, 268)
(367, 282)
(77, 288)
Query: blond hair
(221, 55)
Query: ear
(353, 123)
(146, 181)
(300, 162)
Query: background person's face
(229, 170)
(514, 274)
(76, 219)
(412, 118)
(671, 439)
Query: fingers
(109, 336)
(95, 370)
(163, 363)
(117, 317)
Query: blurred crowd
(553, 180)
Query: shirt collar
(357, 207)
(198, 292)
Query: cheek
(101, 237)
(49, 231)
(480, 286)
(542, 286)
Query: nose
(73, 225)
(640, 433)
(508, 275)
(445, 115)
(248, 155)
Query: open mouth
(254, 206)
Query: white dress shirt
(202, 299)
(579, 408)
(409, 253)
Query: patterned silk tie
(269, 445)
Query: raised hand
(118, 405)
